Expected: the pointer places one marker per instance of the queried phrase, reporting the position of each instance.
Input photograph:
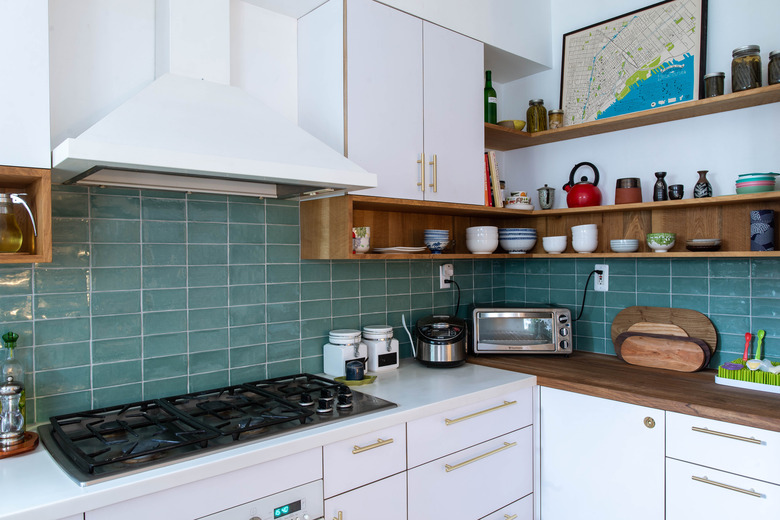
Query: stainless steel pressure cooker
(441, 341)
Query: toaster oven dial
(564, 345)
(563, 318)
(564, 331)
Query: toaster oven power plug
(585, 292)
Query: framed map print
(649, 58)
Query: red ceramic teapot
(583, 193)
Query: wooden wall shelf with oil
(36, 183)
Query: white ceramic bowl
(584, 227)
(661, 242)
(481, 246)
(624, 245)
(585, 244)
(554, 245)
(482, 229)
(516, 246)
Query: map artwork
(643, 60)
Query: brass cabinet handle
(378, 443)
(726, 486)
(506, 446)
(476, 414)
(727, 435)
(507, 517)
(337, 517)
(435, 164)
(421, 162)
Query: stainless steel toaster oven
(521, 330)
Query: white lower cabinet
(471, 483)
(523, 509)
(382, 500)
(79, 516)
(600, 459)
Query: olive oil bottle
(491, 101)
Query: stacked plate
(437, 240)
(482, 240)
(756, 182)
(517, 241)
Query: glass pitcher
(10, 234)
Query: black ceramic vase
(659, 190)
(703, 187)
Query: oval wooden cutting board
(679, 353)
(694, 323)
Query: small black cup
(354, 370)
(675, 192)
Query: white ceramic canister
(382, 348)
(343, 345)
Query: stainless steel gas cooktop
(97, 445)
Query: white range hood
(187, 133)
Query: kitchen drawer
(363, 459)
(459, 428)
(473, 482)
(744, 450)
(523, 509)
(687, 498)
(383, 500)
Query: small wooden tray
(28, 444)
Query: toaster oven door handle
(506, 446)
(448, 422)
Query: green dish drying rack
(746, 378)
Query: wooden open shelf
(326, 225)
(36, 183)
(502, 139)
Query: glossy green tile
(654, 300)
(115, 231)
(209, 380)
(727, 305)
(198, 254)
(563, 297)
(48, 281)
(772, 328)
(201, 319)
(765, 287)
(729, 286)
(690, 285)
(312, 365)
(374, 287)
(205, 276)
(620, 299)
(282, 368)
(250, 373)
(247, 315)
(112, 374)
(282, 273)
(164, 254)
(373, 269)
(120, 349)
(15, 308)
(119, 302)
(47, 406)
(246, 253)
(69, 255)
(425, 285)
(164, 232)
(65, 380)
(732, 267)
(274, 235)
(243, 336)
(69, 204)
(537, 281)
(205, 297)
(252, 213)
(165, 387)
(281, 212)
(207, 233)
(164, 277)
(116, 279)
(70, 305)
(164, 322)
(653, 267)
(203, 211)
(246, 274)
(764, 307)
(370, 304)
(345, 306)
(400, 302)
(765, 268)
(279, 332)
(211, 197)
(164, 299)
(283, 292)
(119, 326)
(287, 350)
(315, 271)
(70, 230)
(422, 268)
(116, 395)
(422, 301)
(730, 324)
(121, 207)
(247, 356)
(164, 367)
(246, 294)
(621, 283)
(48, 332)
(690, 266)
(535, 296)
(116, 255)
(162, 209)
(278, 312)
(315, 328)
(694, 302)
(201, 362)
(283, 254)
(345, 289)
(165, 344)
(343, 270)
(653, 284)
(203, 340)
(256, 234)
(51, 357)
(315, 291)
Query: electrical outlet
(446, 272)
(601, 283)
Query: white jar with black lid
(344, 345)
(382, 348)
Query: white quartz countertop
(35, 488)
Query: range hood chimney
(190, 130)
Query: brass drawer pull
(377, 444)
(727, 435)
(507, 517)
(435, 164)
(476, 414)
(506, 446)
(726, 486)
(421, 162)
(338, 517)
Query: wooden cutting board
(682, 354)
(694, 323)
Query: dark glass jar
(745, 68)
(713, 84)
(773, 74)
(536, 116)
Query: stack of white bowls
(517, 241)
(482, 240)
(437, 240)
(585, 238)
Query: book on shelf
(486, 184)
(495, 183)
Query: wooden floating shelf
(503, 139)
(36, 183)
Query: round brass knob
(649, 422)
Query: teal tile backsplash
(154, 293)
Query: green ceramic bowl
(755, 189)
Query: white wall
(726, 144)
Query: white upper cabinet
(24, 93)
(413, 112)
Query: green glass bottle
(13, 367)
(491, 101)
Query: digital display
(287, 509)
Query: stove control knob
(325, 406)
(345, 401)
(345, 390)
(326, 393)
(306, 399)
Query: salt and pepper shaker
(11, 418)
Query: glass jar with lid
(536, 116)
(773, 74)
(556, 119)
(745, 68)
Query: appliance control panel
(298, 503)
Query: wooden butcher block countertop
(606, 376)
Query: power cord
(457, 307)
(582, 306)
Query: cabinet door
(598, 458)
(474, 482)
(699, 492)
(523, 509)
(24, 93)
(454, 115)
(382, 500)
(385, 96)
